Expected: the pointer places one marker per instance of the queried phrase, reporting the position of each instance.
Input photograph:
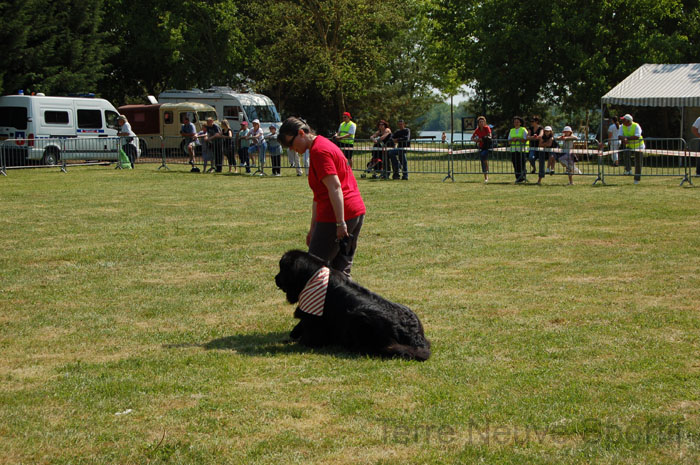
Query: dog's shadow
(272, 343)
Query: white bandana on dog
(313, 296)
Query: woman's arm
(335, 194)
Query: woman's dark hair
(381, 121)
(616, 121)
(290, 128)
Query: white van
(51, 129)
(234, 106)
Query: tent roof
(658, 85)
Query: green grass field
(140, 323)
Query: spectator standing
(243, 145)
(227, 138)
(632, 144)
(346, 136)
(567, 158)
(293, 158)
(258, 144)
(189, 134)
(534, 135)
(483, 138)
(696, 133)
(613, 138)
(337, 211)
(547, 143)
(517, 137)
(127, 139)
(402, 139)
(381, 139)
(211, 148)
(275, 150)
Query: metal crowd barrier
(659, 157)
(57, 151)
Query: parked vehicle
(153, 121)
(236, 107)
(50, 129)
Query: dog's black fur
(353, 317)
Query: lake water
(438, 135)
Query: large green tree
(318, 58)
(521, 57)
(164, 44)
(54, 47)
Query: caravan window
(13, 117)
(231, 112)
(168, 117)
(89, 119)
(55, 117)
(203, 115)
(265, 113)
(192, 115)
(112, 119)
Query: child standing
(567, 158)
(275, 150)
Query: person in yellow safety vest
(346, 136)
(519, 146)
(632, 142)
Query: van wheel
(51, 156)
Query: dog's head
(296, 268)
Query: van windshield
(13, 117)
(203, 115)
(265, 113)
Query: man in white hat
(632, 142)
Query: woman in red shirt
(482, 136)
(338, 211)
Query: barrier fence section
(652, 157)
(668, 157)
(58, 151)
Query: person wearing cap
(517, 137)
(243, 144)
(630, 136)
(189, 134)
(483, 138)
(567, 158)
(547, 143)
(402, 138)
(346, 136)
(275, 150)
(258, 144)
(337, 210)
(128, 139)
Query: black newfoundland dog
(350, 315)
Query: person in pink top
(337, 211)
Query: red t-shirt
(481, 133)
(325, 158)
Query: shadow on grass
(273, 343)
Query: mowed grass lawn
(140, 323)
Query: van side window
(231, 112)
(13, 117)
(111, 117)
(55, 117)
(168, 117)
(90, 119)
(192, 115)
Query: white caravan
(234, 106)
(51, 129)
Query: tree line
(318, 58)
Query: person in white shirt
(613, 134)
(696, 133)
(128, 139)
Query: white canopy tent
(658, 85)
